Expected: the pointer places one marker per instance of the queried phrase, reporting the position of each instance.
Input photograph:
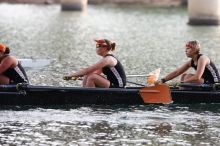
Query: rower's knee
(4, 80)
(90, 80)
(183, 77)
(91, 77)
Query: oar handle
(70, 78)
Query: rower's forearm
(80, 73)
(170, 76)
(77, 73)
(192, 79)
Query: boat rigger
(52, 95)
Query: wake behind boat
(23, 94)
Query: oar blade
(156, 94)
(34, 63)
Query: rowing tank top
(16, 74)
(211, 74)
(116, 74)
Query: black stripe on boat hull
(49, 95)
(73, 96)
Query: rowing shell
(52, 95)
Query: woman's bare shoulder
(204, 57)
(10, 59)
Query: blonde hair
(194, 44)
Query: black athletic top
(211, 74)
(116, 74)
(16, 74)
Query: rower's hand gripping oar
(70, 78)
(156, 94)
(150, 78)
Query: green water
(147, 38)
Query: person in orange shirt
(109, 65)
(11, 71)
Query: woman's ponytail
(7, 50)
(113, 46)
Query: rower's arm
(202, 62)
(5, 64)
(99, 71)
(91, 69)
(178, 71)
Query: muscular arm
(202, 62)
(178, 71)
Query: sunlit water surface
(147, 38)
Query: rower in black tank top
(16, 74)
(211, 74)
(116, 74)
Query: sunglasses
(189, 46)
(101, 46)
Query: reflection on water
(99, 125)
(147, 38)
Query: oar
(136, 83)
(34, 63)
(129, 76)
(71, 78)
(156, 94)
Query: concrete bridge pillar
(73, 5)
(204, 12)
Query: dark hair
(7, 50)
(111, 45)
